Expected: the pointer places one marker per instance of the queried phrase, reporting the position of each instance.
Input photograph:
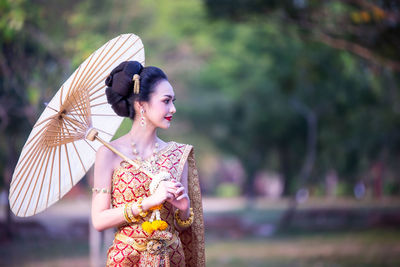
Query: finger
(178, 185)
(180, 191)
(171, 189)
(182, 197)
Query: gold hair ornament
(136, 85)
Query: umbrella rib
(51, 175)
(72, 87)
(78, 108)
(50, 107)
(84, 81)
(105, 132)
(20, 161)
(101, 80)
(42, 160)
(99, 104)
(69, 164)
(43, 121)
(76, 151)
(96, 97)
(95, 62)
(59, 172)
(77, 85)
(42, 183)
(90, 145)
(104, 77)
(89, 79)
(83, 108)
(39, 132)
(80, 159)
(29, 162)
(61, 94)
(93, 114)
(30, 182)
(107, 61)
(68, 122)
(136, 54)
(71, 122)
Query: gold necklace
(149, 165)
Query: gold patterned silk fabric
(129, 184)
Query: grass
(345, 248)
(374, 247)
(348, 245)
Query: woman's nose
(172, 109)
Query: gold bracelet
(187, 222)
(139, 205)
(131, 217)
(126, 213)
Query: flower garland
(155, 223)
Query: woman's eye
(166, 101)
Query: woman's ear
(137, 106)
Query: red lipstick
(169, 118)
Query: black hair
(119, 83)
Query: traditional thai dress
(131, 244)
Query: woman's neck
(144, 137)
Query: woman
(159, 222)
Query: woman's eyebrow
(170, 96)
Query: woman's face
(160, 109)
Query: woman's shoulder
(106, 156)
(177, 144)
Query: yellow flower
(163, 225)
(158, 207)
(159, 225)
(148, 227)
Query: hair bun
(120, 78)
(119, 104)
(120, 87)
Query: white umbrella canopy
(57, 153)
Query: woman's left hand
(181, 199)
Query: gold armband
(101, 190)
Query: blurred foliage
(29, 64)
(251, 83)
(227, 190)
(370, 29)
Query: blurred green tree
(370, 29)
(265, 93)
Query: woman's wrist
(184, 214)
(149, 202)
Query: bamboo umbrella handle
(93, 134)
